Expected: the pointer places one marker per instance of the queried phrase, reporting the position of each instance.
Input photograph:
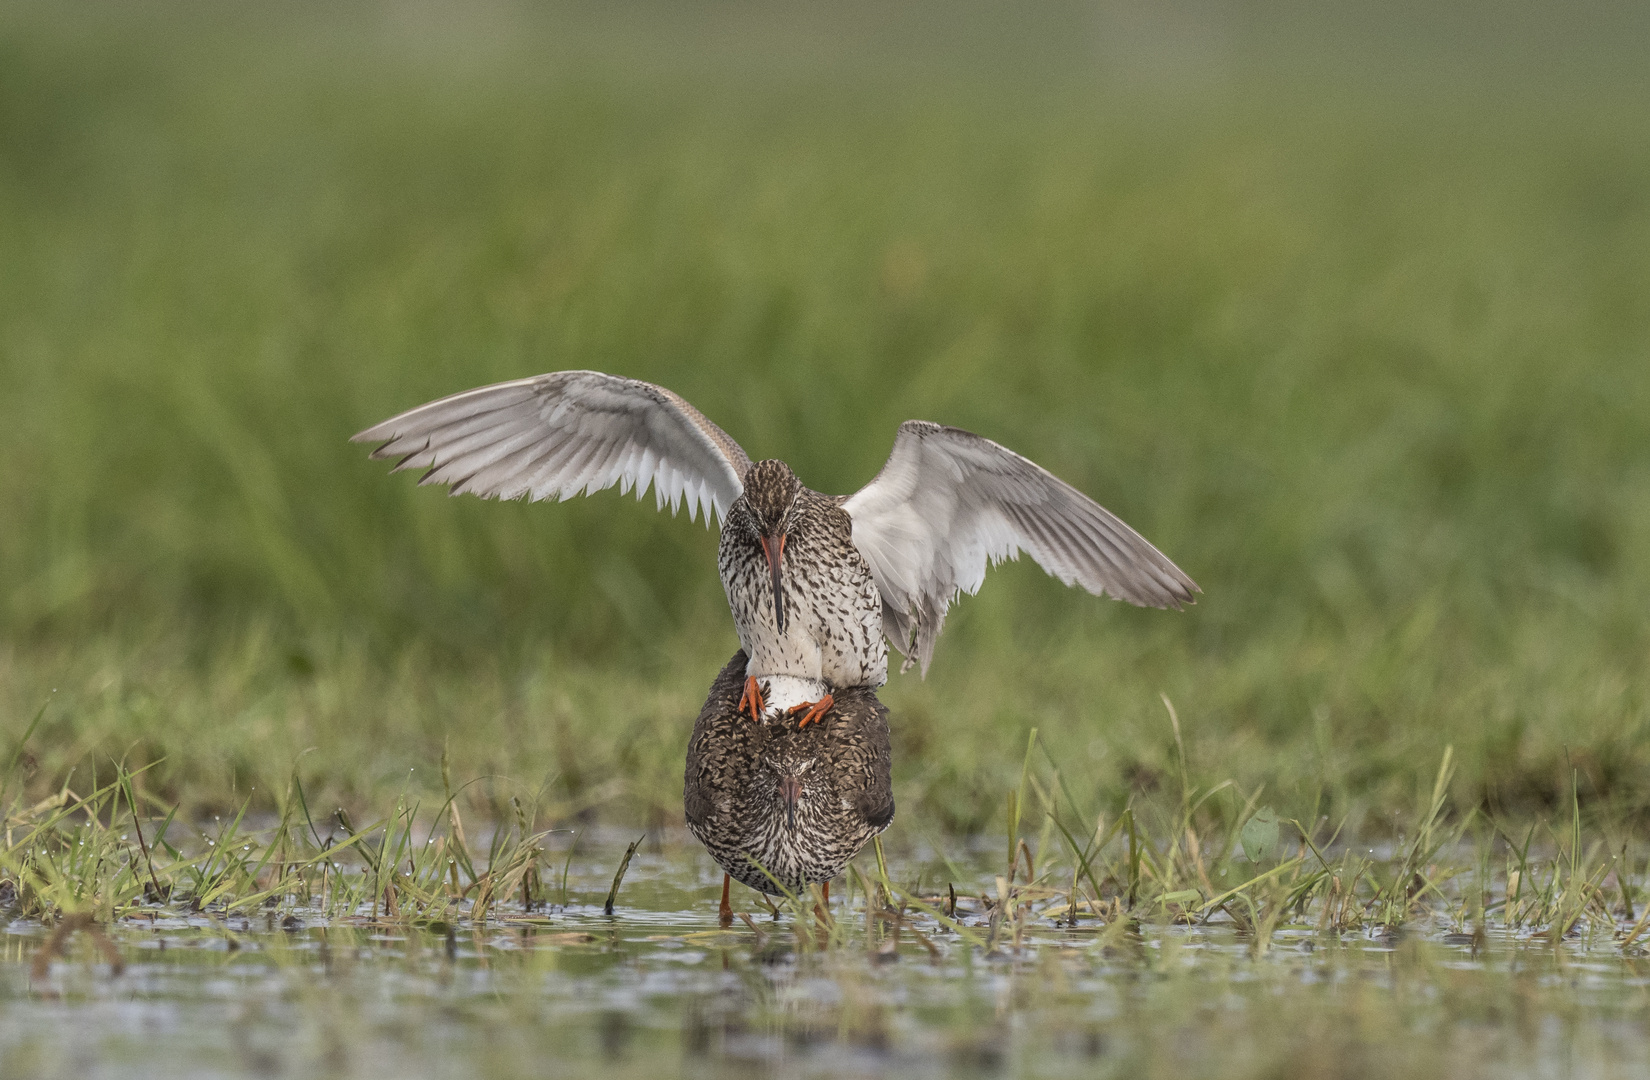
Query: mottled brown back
(731, 792)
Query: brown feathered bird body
(796, 802)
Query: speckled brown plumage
(736, 768)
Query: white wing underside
(948, 504)
(564, 434)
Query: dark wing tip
(383, 431)
(1182, 593)
(396, 448)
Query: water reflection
(566, 991)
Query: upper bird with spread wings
(814, 581)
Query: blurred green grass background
(1347, 309)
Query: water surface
(658, 988)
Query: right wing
(564, 434)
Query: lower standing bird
(815, 581)
(779, 804)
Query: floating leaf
(1260, 834)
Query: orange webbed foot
(751, 701)
(815, 711)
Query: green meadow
(1365, 354)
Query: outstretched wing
(949, 503)
(564, 434)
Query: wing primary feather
(1055, 549)
(491, 458)
(578, 464)
(405, 462)
(542, 482)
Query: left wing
(949, 503)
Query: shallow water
(658, 987)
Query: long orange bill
(774, 548)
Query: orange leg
(815, 712)
(724, 915)
(752, 700)
(822, 911)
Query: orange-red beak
(774, 548)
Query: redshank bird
(815, 581)
(780, 804)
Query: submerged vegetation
(1217, 855)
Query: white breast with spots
(833, 611)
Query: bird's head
(770, 494)
(792, 784)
